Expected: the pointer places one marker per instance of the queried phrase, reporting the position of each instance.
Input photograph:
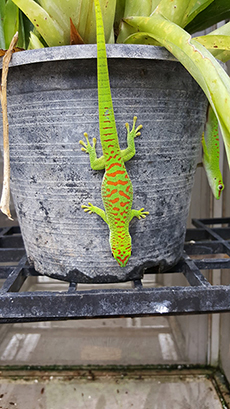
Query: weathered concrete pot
(52, 101)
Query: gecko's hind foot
(142, 214)
(89, 208)
(86, 146)
(135, 131)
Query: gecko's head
(217, 186)
(121, 248)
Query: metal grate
(199, 296)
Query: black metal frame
(199, 297)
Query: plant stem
(5, 199)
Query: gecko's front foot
(89, 208)
(139, 214)
(135, 131)
(86, 146)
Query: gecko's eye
(220, 187)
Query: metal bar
(14, 241)
(199, 297)
(204, 247)
(198, 223)
(39, 306)
(213, 263)
(72, 287)
(201, 234)
(15, 279)
(11, 254)
(5, 271)
(193, 274)
(4, 230)
(215, 220)
(137, 284)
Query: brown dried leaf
(75, 37)
(15, 50)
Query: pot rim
(88, 51)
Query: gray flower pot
(52, 101)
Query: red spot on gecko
(113, 164)
(119, 182)
(123, 260)
(124, 212)
(118, 172)
(116, 209)
(128, 187)
(123, 204)
(112, 193)
(114, 200)
(124, 194)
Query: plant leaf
(49, 29)
(154, 5)
(10, 22)
(198, 61)
(141, 38)
(133, 8)
(34, 42)
(218, 45)
(2, 14)
(220, 52)
(195, 7)
(119, 14)
(174, 10)
(217, 11)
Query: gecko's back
(117, 189)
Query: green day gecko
(210, 143)
(116, 189)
